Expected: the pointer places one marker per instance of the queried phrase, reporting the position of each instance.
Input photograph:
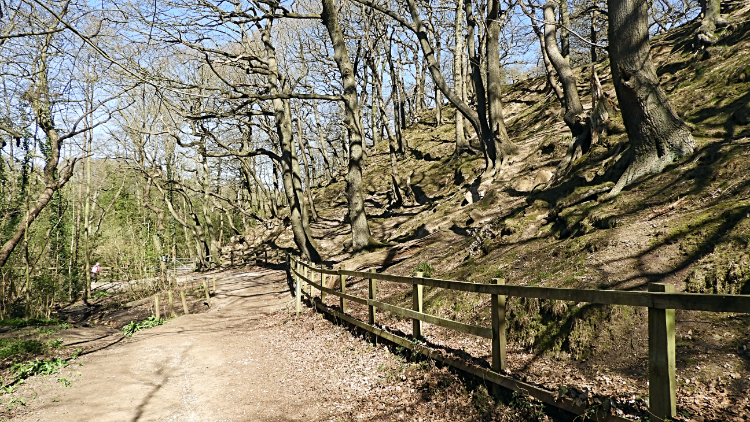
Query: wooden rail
(660, 299)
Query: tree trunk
(40, 104)
(583, 128)
(397, 198)
(503, 145)
(564, 25)
(572, 103)
(293, 182)
(322, 145)
(361, 237)
(549, 69)
(303, 150)
(374, 112)
(290, 177)
(438, 97)
(488, 143)
(209, 232)
(396, 100)
(711, 20)
(477, 119)
(658, 136)
(87, 220)
(462, 144)
(419, 89)
(594, 30)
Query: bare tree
(361, 237)
(657, 135)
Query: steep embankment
(689, 226)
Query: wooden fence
(660, 299)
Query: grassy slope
(688, 226)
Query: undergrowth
(135, 326)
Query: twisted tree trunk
(657, 135)
(361, 237)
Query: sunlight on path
(205, 367)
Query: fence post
(208, 297)
(416, 296)
(184, 302)
(342, 301)
(371, 293)
(304, 272)
(172, 313)
(297, 288)
(323, 278)
(499, 360)
(661, 358)
(156, 306)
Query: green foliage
(530, 408)
(12, 347)
(46, 331)
(425, 268)
(54, 344)
(38, 367)
(136, 326)
(21, 322)
(482, 400)
(18, 400)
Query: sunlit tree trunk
(462, 144)
(361, 237)
(658, 137)
(502, 143)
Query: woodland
(136, 132)
(588, 144)
(585, 144)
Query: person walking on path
(95, 271)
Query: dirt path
(249, 358)
(211, 366)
